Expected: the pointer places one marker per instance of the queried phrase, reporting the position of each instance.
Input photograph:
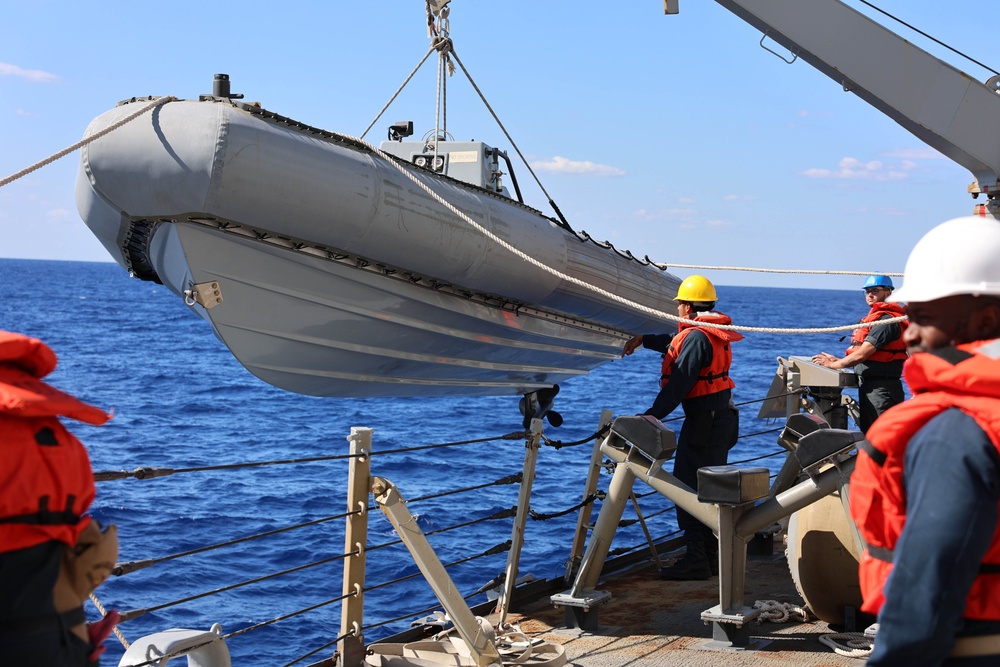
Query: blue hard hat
(878, 281)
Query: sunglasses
(873, 290)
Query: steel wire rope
(509, 479)
(151, 472)
(541, 516)
(136, 613)
(128, 567)
(86, 140)
(642, 545)
(399, 90)
(501, 514)
(563, 223)
(933, 39)
(416, 613)
(559, 444)
(492, 551)
(515, 435)
(489, 552)
(335, 640)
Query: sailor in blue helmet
(876, 353)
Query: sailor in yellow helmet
(695, 376)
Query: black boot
(694, 566)
(712, 553)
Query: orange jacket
(715, 377)
(895, 350)
(46, 483)
(878, 494)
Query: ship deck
(652, 623)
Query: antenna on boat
(220, 88)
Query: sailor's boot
(712, 553)
(693, 566)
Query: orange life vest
(966, 377)
(714, 377)
(896, 349)
(46, 483)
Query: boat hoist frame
(736, 503)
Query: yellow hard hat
(696, 288)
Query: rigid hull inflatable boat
(330, 267)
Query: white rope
(822, 272)
(780, 612)
(849, 644)
(66, 151)
(100, 608)
(593, 288)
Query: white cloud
(850, 168)
(561, 165)
(647, 215)
(913, 153)
(37, 75)
(687, 201)
(739, 198)
(59, 215)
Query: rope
(399, 90)
(933, 39)
(559, 444)
(516, 435)
(150, 472)
(122, 569)
(136, 613)
(824, 272)
(104, 612)
(849, 644)
(779, 612)
(539, 516)
(587, 286)
(86, 140)
(519, 154)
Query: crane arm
(942, 106)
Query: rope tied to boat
(86, 140)
(405, 171)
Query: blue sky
(675, 137)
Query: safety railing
(272, 586)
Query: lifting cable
(933, 39)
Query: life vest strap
(46, 517)
(877, 456)
(885, 555)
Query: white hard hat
(961, 256)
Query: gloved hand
(98, 631)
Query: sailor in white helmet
(926, 491)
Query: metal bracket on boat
(208, 295)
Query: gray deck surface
(652, 623)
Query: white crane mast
(939, 104)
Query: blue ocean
(182, 402)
